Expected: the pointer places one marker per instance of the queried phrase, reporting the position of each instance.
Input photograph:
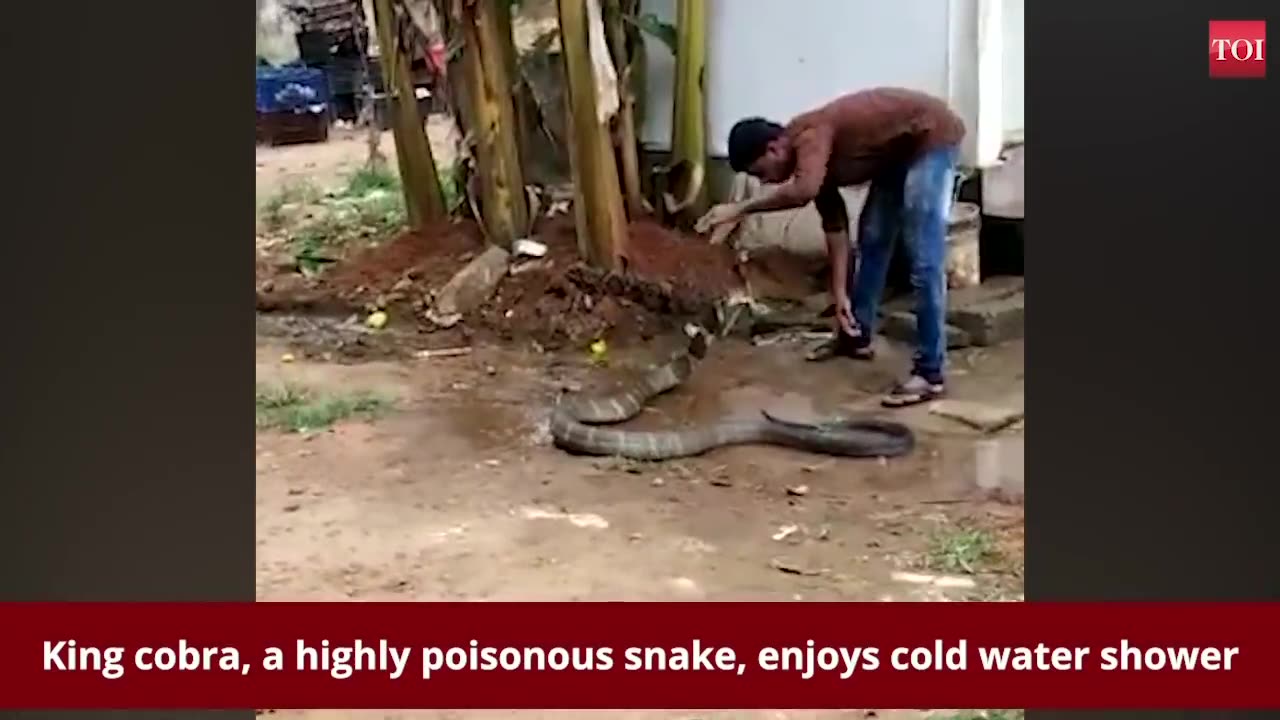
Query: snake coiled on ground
(577, 420)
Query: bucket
(962, 265)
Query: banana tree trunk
(689, 124)
(602, 226)
(628, 143)
(424, 200)
(488, 61)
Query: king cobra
(575, 422)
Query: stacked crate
(293, 105)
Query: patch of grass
(382, 213)
(370, 178)
(293, 192)
(298, 409)
(369, 206)
(451, 187)
(962, 550)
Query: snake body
(577, 420)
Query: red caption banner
(640, 655)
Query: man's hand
(844, 316)
(717, 216)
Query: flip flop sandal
(913, 392)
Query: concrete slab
(980, 416)
(1000, 465)
(995, 288)
(993, 321)
(901, 326)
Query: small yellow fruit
(599, 347)
(376, 320)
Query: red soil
(554, 299)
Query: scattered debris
(529, 248)
(582, 520)
(599, 351)
(530, 266)
(798, 490)
(658, 482)
(376, 320)
(785, 532)
(939, 581)
(442, 352)
(697, 546)
(442, 320)
(287, 358)
(791, 568)
(780, 336)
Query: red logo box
(1237, 48)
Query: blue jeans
(915, 200)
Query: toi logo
(1237, 48)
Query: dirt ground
(456, 494)
(325, 164)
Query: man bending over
(905, 144)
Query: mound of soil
(554, 300)
(691, 264)
(557, 299)
(412, 262)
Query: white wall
(1014, 64)
(778, 59)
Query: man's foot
(840, 345)
(914, 391)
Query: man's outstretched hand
(718, 216)
(844, 317)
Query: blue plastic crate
(291, 89)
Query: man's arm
(812, 150)
(835, 225)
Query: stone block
(901, 326)
(991, 322)
(472, 286)
(993, 466)
(1000, 465)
